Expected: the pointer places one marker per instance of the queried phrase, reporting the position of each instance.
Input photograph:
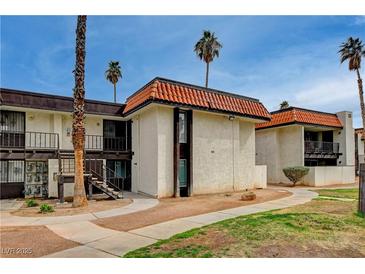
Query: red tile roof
(293, 115)
(177, 93)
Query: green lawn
(351, 193)
(320, 228)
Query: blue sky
(272, 58)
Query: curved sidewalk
(138, 204)
(99, 242)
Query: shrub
(295, 173)
(45, 208)
(31, 203)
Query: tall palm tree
(207, 48)
(352, 50)
(113, 74)
(78, 128)
(284, 104)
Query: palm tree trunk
(362, 105)
(115, 92)
(78, 128)
(206, 75)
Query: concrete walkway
(99, 242)
(139, 203)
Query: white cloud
(359, 20)
(332, 92)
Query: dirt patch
(173, 208)
(204, 244)
(309, 250)
(31, 242)
(99, 204)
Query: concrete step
(110, 189)
(115, 193)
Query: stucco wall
(346, 139)
(330, 175)
(278, 148)
(165, 139)
(260, 177)
(93, 126)
(52, 181)
(145, 152)
(223, 154)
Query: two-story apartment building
(168, 139)
(300, 137)
(36, 145)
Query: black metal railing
(41, 140)
(115, 143)
(50, 141)
(321, 147)
(98, 142)
(96, 168)
(31, 140)
(10, 139)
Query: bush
(31, 203)
(295, 173)
(45, 208)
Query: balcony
(50, 141)
(98, 142)
(319, 147)
(29, 140)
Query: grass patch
(320, 228)
(350, 193)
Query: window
(12, 171)
(11, 121)
(3, 171)
(183, 134)
(183, 173)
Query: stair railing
(107, 175)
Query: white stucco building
(299, 137)
(168, 139)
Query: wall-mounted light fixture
(68, 131)
(231, 117)
(31, 117)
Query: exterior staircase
(112, 192)
(96, 174)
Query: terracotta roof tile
(299, 115)
(163, 90)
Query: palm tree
(78, 128)
(352, 50)
(113, 74)
(284, 104)
(207, 48)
